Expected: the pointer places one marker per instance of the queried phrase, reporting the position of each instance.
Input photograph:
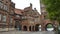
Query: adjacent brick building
(6, 14)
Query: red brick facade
(32, 19)
(27, 19)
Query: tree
(53, 9)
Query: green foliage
(49, 26)
(53, 9)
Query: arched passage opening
(25, 28)
(49, 27)
(17, 25)
(30, 28)
(37, 27)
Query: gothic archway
(49, 27)
(30, 28)
(37, 27)
(17, 25)
(25, 28)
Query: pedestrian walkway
(25, 32)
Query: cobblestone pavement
(24, 32)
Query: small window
(17, 16)
(1, 5)
(11, 19)
(24, 17)
(4, 19)
(5, 7)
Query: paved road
(22, 32)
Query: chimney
(35, 9)
(30, 4)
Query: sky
(21, 4)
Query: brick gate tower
(44, 19)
